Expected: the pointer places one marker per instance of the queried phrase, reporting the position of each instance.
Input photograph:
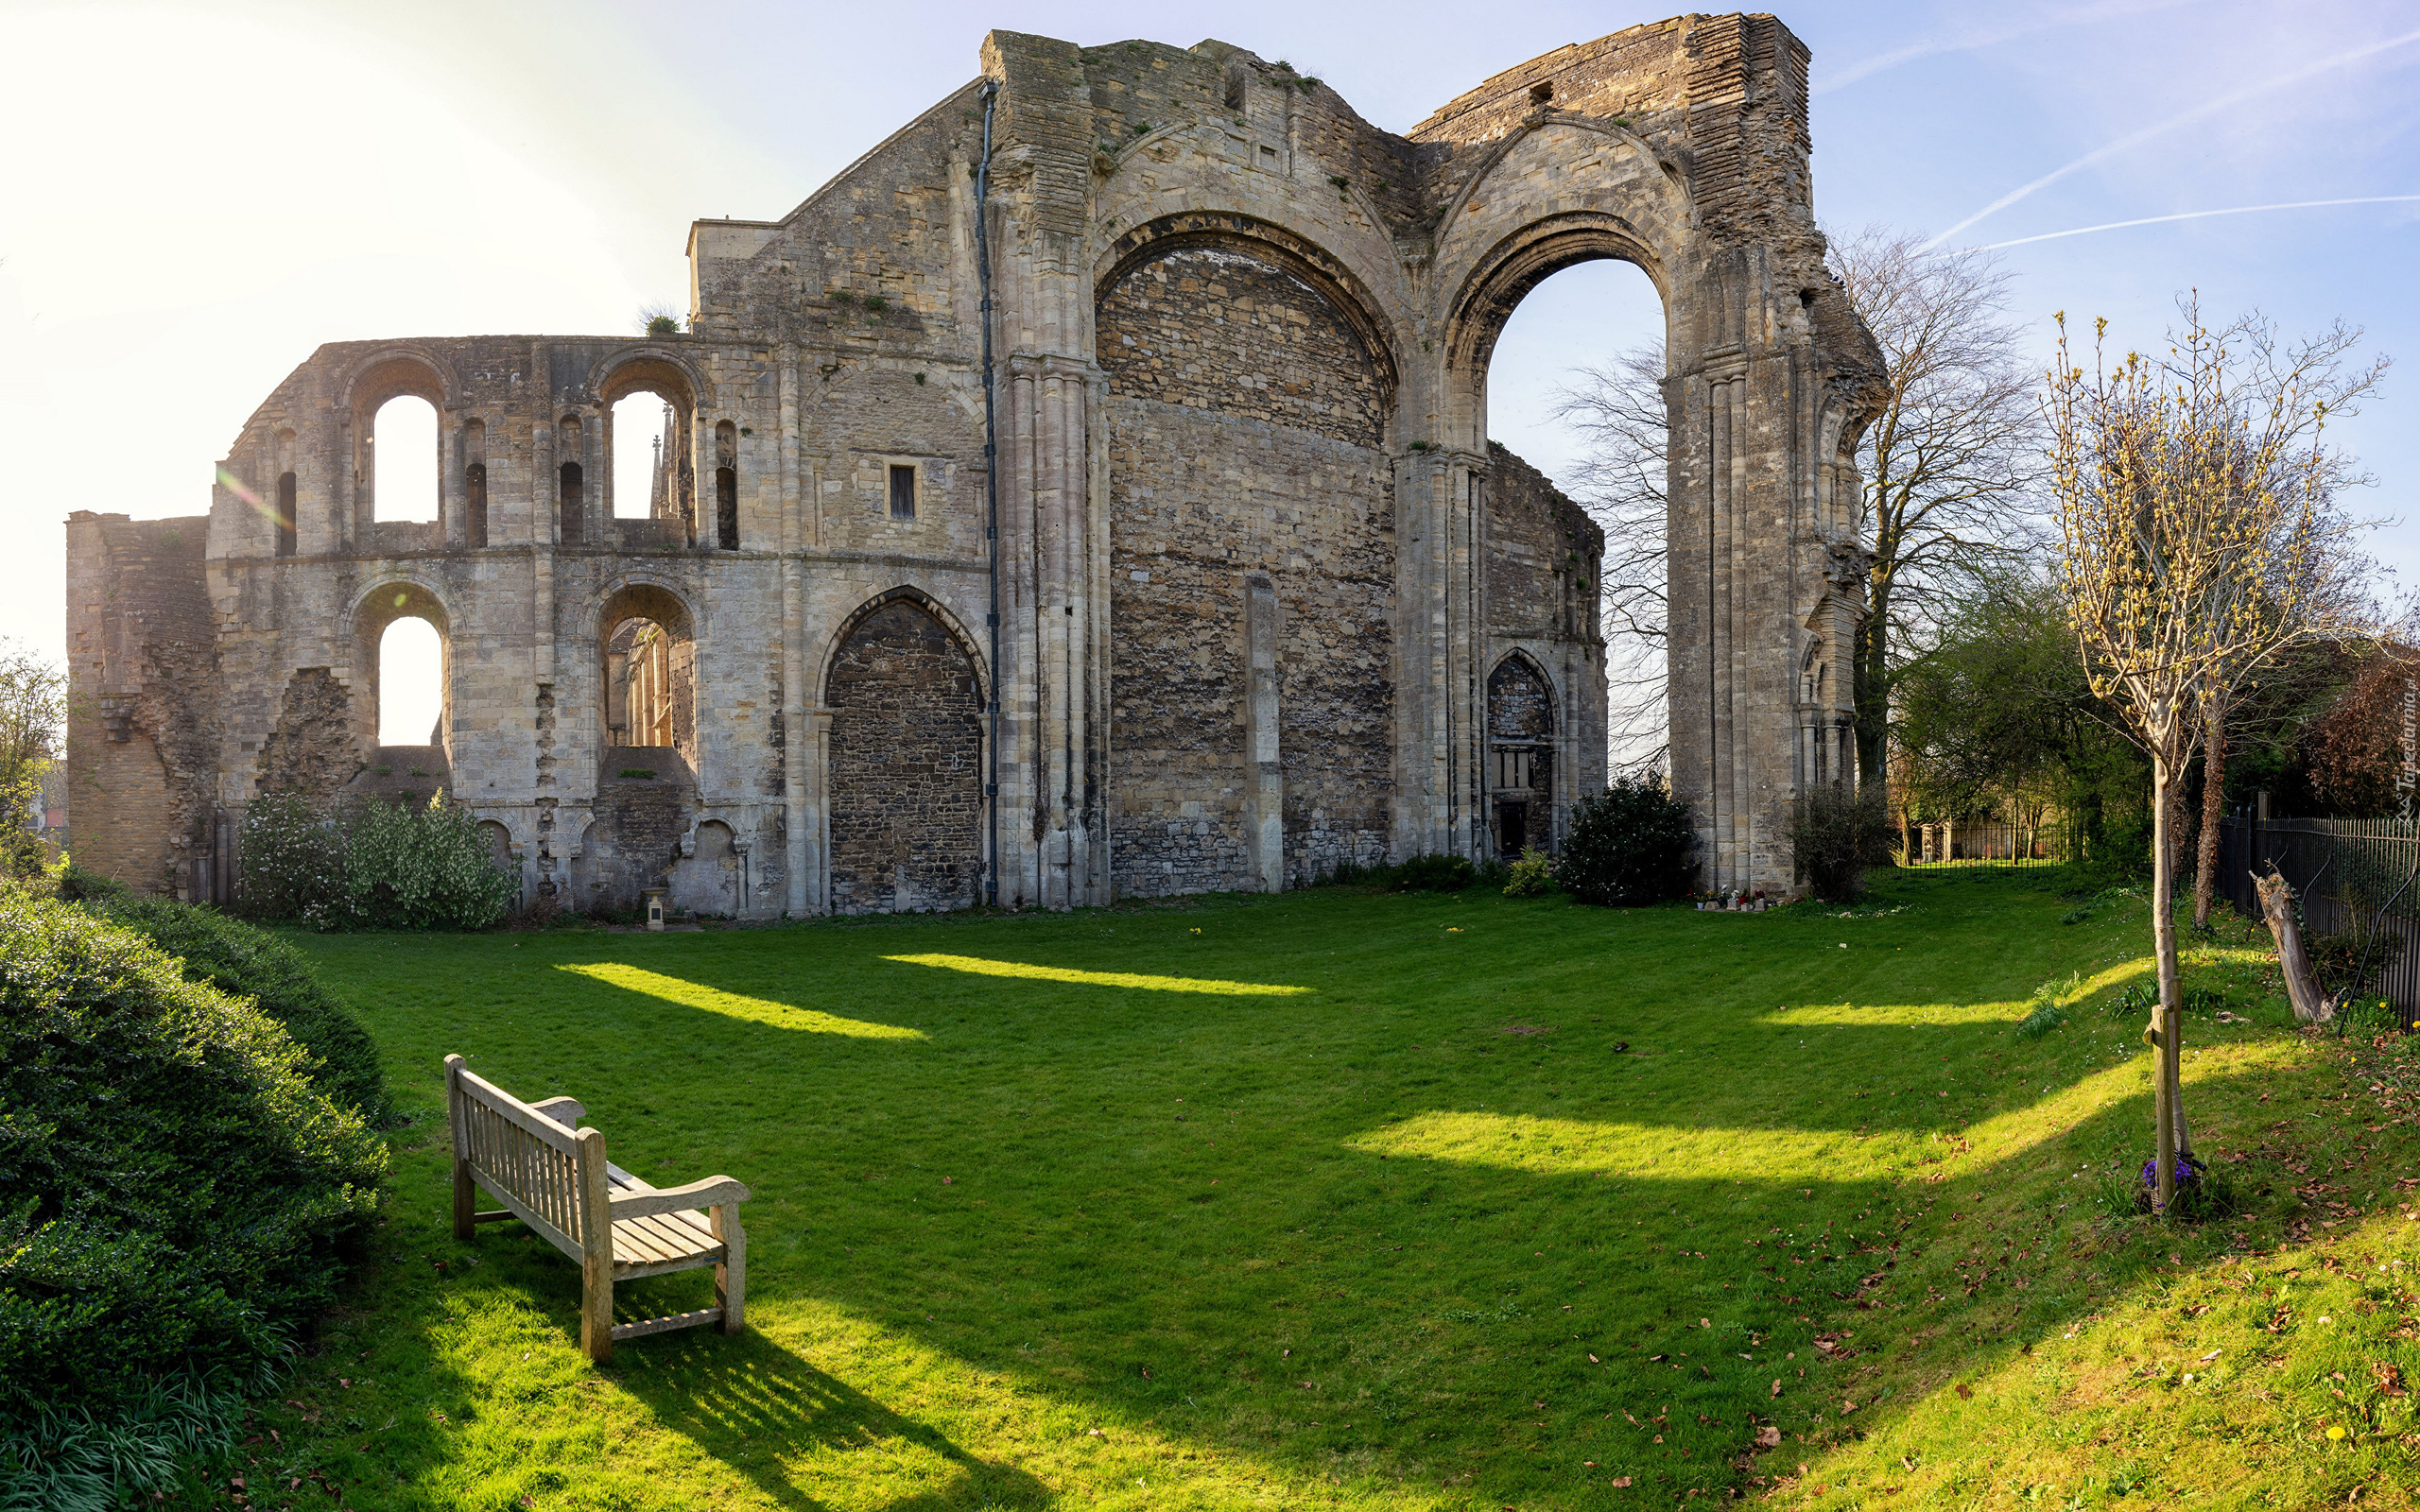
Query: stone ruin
(1217, 583)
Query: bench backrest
(549, 1174)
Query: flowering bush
(371, 865)
(1531, 875)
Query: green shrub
(1835, 834)
(289, 858)
(1632, 843)
(1531, 875)
(176, 1197)
(72, 1458)
(1433, 873)
(245, 962)
(2044, 1019)
(369, 865)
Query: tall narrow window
(286, 514)
(403, 459)
(902, 491)
(727, 486)
(474, 486)
(475, 482)
(572, 499)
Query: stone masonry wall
(143, 700)
(906, 765)
(1243, 422)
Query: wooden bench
(554, 1178)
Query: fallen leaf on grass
(1964, 1390)
(1769, 1437)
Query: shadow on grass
(1146, 1207)
(750, 1403)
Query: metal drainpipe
(990, 495)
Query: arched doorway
(1520, 758)
(905, 789)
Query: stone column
(1265, 797)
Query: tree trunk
(2214, 771)
(1870, 692)
(2301, 984)
(2162, 1033)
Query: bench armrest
(711, 1193)
(564, 1110)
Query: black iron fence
(1959, 844)
(2358, 882)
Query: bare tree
(1949, 465)
(1946, 469)
(2336, 579)
(2191, 504)
(1618, 411)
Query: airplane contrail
(2197, 214)
(2207, 108)
(1827, 82)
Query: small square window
(902, 491)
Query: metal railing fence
(2358, 882)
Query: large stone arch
(903, 782)
(1769, 380)
(1250, 387)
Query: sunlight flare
(980, 967)
(732, 1006)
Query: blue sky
(196, 195)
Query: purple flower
(2185, 1172)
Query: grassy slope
(1018, 1240)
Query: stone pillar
(1265, 798)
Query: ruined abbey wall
(1226, 542)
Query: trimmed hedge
(175, 1195)
(247, 962)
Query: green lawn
(1347, 1199)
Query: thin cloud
(2198, 215)
(2199, 112)
(1970, 42)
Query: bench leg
(466, 1200)
(731, 1272)
(596, 1251)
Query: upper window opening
(411, 684)
(403, 452)
(727, 486)
(902, 491)
(572, 487)
(643, 484)
(475, 486)
(286, 514)
(1542, 93)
